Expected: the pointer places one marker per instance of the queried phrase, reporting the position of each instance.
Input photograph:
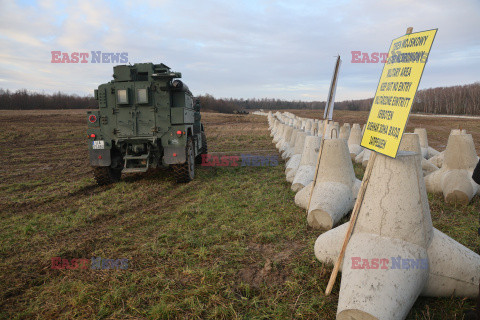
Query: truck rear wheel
(106, 175)
(185, 172)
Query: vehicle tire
(203, 149)
(106, 175)
(185, 172)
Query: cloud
(243, 49)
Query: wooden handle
(353, 220)
(318, 163)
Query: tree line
(26, 100)
(462, 99)
(228, 105)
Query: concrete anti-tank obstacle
(275, 127)
(286, 137)
(281, 136)
(428, 167)
(297, 149)
(333, 130)
(308, 126)
(438, 158)
(354, 141)
(294, 162)
(411, 142)
(306, 169)
(427, 152)
(298, 143)
(304, 124)
(295, 123)
(321, 125)
(363, 157)
(336, 188)
(287, 152)
(359, 157)
(272, 127)
(366, 156)
(314, 128)
(345, 131)
(422, 135)
(395, 254)
(454, 179)
(279, 133)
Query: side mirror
(197, 105)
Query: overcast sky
(241, 49)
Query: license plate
(98, 144)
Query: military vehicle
(146, 118)
(240, 111)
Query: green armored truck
(146, 118)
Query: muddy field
(231, 244)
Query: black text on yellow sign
(395, 92)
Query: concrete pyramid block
(345, 131)
(321, 125)
(301, 198)
(336, 187)
(287, 132)
(289, 146)
(422, 134)
(437, 160)
(432, 152)
(279, 133)
(273, 128)
(427, 151)
(294, 162)
(366, 157)
(428, 167)
(354, 141)
(304, 124)
(287, 136)
(308, 126)
(394, 253)
(454, 179)
(411, 142)
(315, 126)
(359, 157)
(306, 168)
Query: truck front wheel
(185, 172)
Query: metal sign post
(327, 116)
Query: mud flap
(174, 155)
(100, 157)
(476, 174)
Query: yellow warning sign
(395, 92)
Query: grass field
(229, 245)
